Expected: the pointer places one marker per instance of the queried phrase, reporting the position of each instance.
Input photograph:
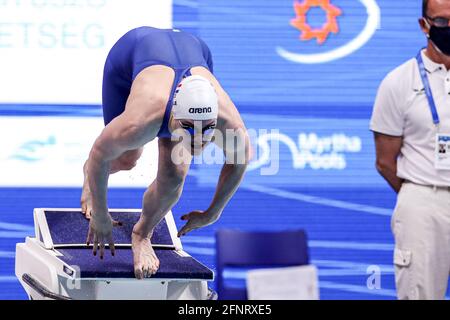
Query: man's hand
(388, 149)
(197, 219)
(100, 232)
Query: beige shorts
(421, 227)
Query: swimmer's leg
(159, 198)
(126, 161)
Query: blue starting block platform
(57, 264)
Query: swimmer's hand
(100, 233)
(197, 219)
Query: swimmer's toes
(138, 272)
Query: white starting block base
(45, 273)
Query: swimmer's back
(146, 46)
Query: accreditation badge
(442, 152)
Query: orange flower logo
(308, 33)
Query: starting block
(57, 263)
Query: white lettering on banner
(45, 4)
(312, 151)
(334, 143)
(50, 35)
(51, 152)
(65, 44)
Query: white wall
(53, 51)
(41, 151)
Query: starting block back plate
(69, 227)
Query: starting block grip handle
(41, 289)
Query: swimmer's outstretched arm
(136, 126)
(237, 158)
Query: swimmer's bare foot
(86, 196)
(146, 263)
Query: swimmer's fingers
(185, 217)
(111, 245)
(102, 246)
(195, 220)
(89, 236)
(94, 250)
(186, 228)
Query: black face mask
(441, 38)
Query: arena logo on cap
(200, 110)
(333, 13)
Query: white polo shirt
(401, 109)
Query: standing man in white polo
(411, 123)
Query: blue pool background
(345, 212)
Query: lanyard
(426, 84)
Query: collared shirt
(401, 109)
